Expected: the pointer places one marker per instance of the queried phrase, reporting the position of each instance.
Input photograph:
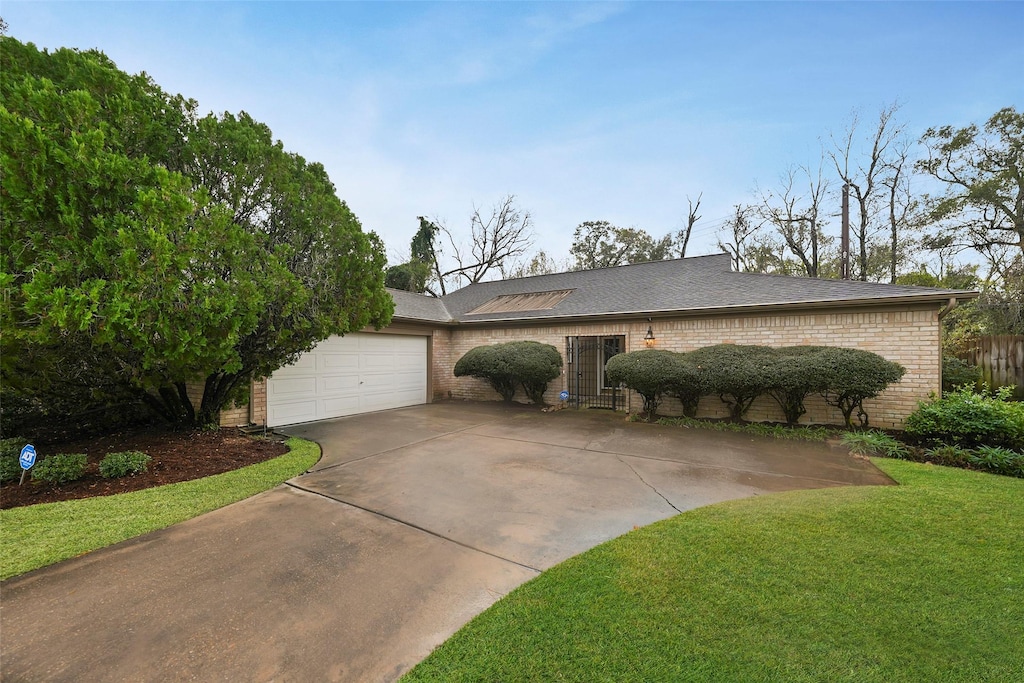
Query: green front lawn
(39, 535)
(920, 582)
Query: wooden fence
(1001, 360)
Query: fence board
(1001, 360)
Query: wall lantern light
(649, 337)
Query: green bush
(60, 469)
(686, 382)
(956, 373)
(850, 376)
(507, 366)
(10, 453)
(873, 442)
(969, 418)
(122, 464)
(999, 460)
(791, 376)
(648, 373)
(738, 374)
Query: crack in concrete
(647, 484)
(378, 513)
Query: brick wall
(908, 335)
(232, 416)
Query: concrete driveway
(414, 521)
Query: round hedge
(510, 365)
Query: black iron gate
(586, 357)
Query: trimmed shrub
(649, 373)
(738, 374)
(686, 382)
(122, 464)
(956, 373)
(10, 453)
(60, 469)
(969, 418)
(791, 376)
(507, 366)
(849, 376)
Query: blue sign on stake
(28, 456)
(27, 459)
(564, 396)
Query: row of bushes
(740, 374)
(65, 467)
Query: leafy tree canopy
(144, 248)
(599, 244)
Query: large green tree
(983, 173)
(144, 249)
(599, 244)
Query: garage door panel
(287, 413)
(341, 405)
(295, 386)
(347, 375)
(339, 384)
(376, 362)
(339, 362)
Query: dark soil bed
(177, 456)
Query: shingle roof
(410, 306)
(699, 284)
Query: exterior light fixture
(649, 337)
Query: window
(610, 346)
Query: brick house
(679, 305)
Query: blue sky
(585, 111)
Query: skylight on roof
(530, 301)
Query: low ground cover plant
(60, 468)
(10, 452)
(506, 367)
(115, 465)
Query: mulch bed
(177, 456)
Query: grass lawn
(39, 535)
(920, 582)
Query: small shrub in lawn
(969, 418)
(874, 443)
(10, 452)
(122, 464)
(60, 469)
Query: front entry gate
(586, 358)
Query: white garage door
(357, 373)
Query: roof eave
(936, 298)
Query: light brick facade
(906, 334)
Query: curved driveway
(413, 521)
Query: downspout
(953, 301)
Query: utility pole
(845, 255)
